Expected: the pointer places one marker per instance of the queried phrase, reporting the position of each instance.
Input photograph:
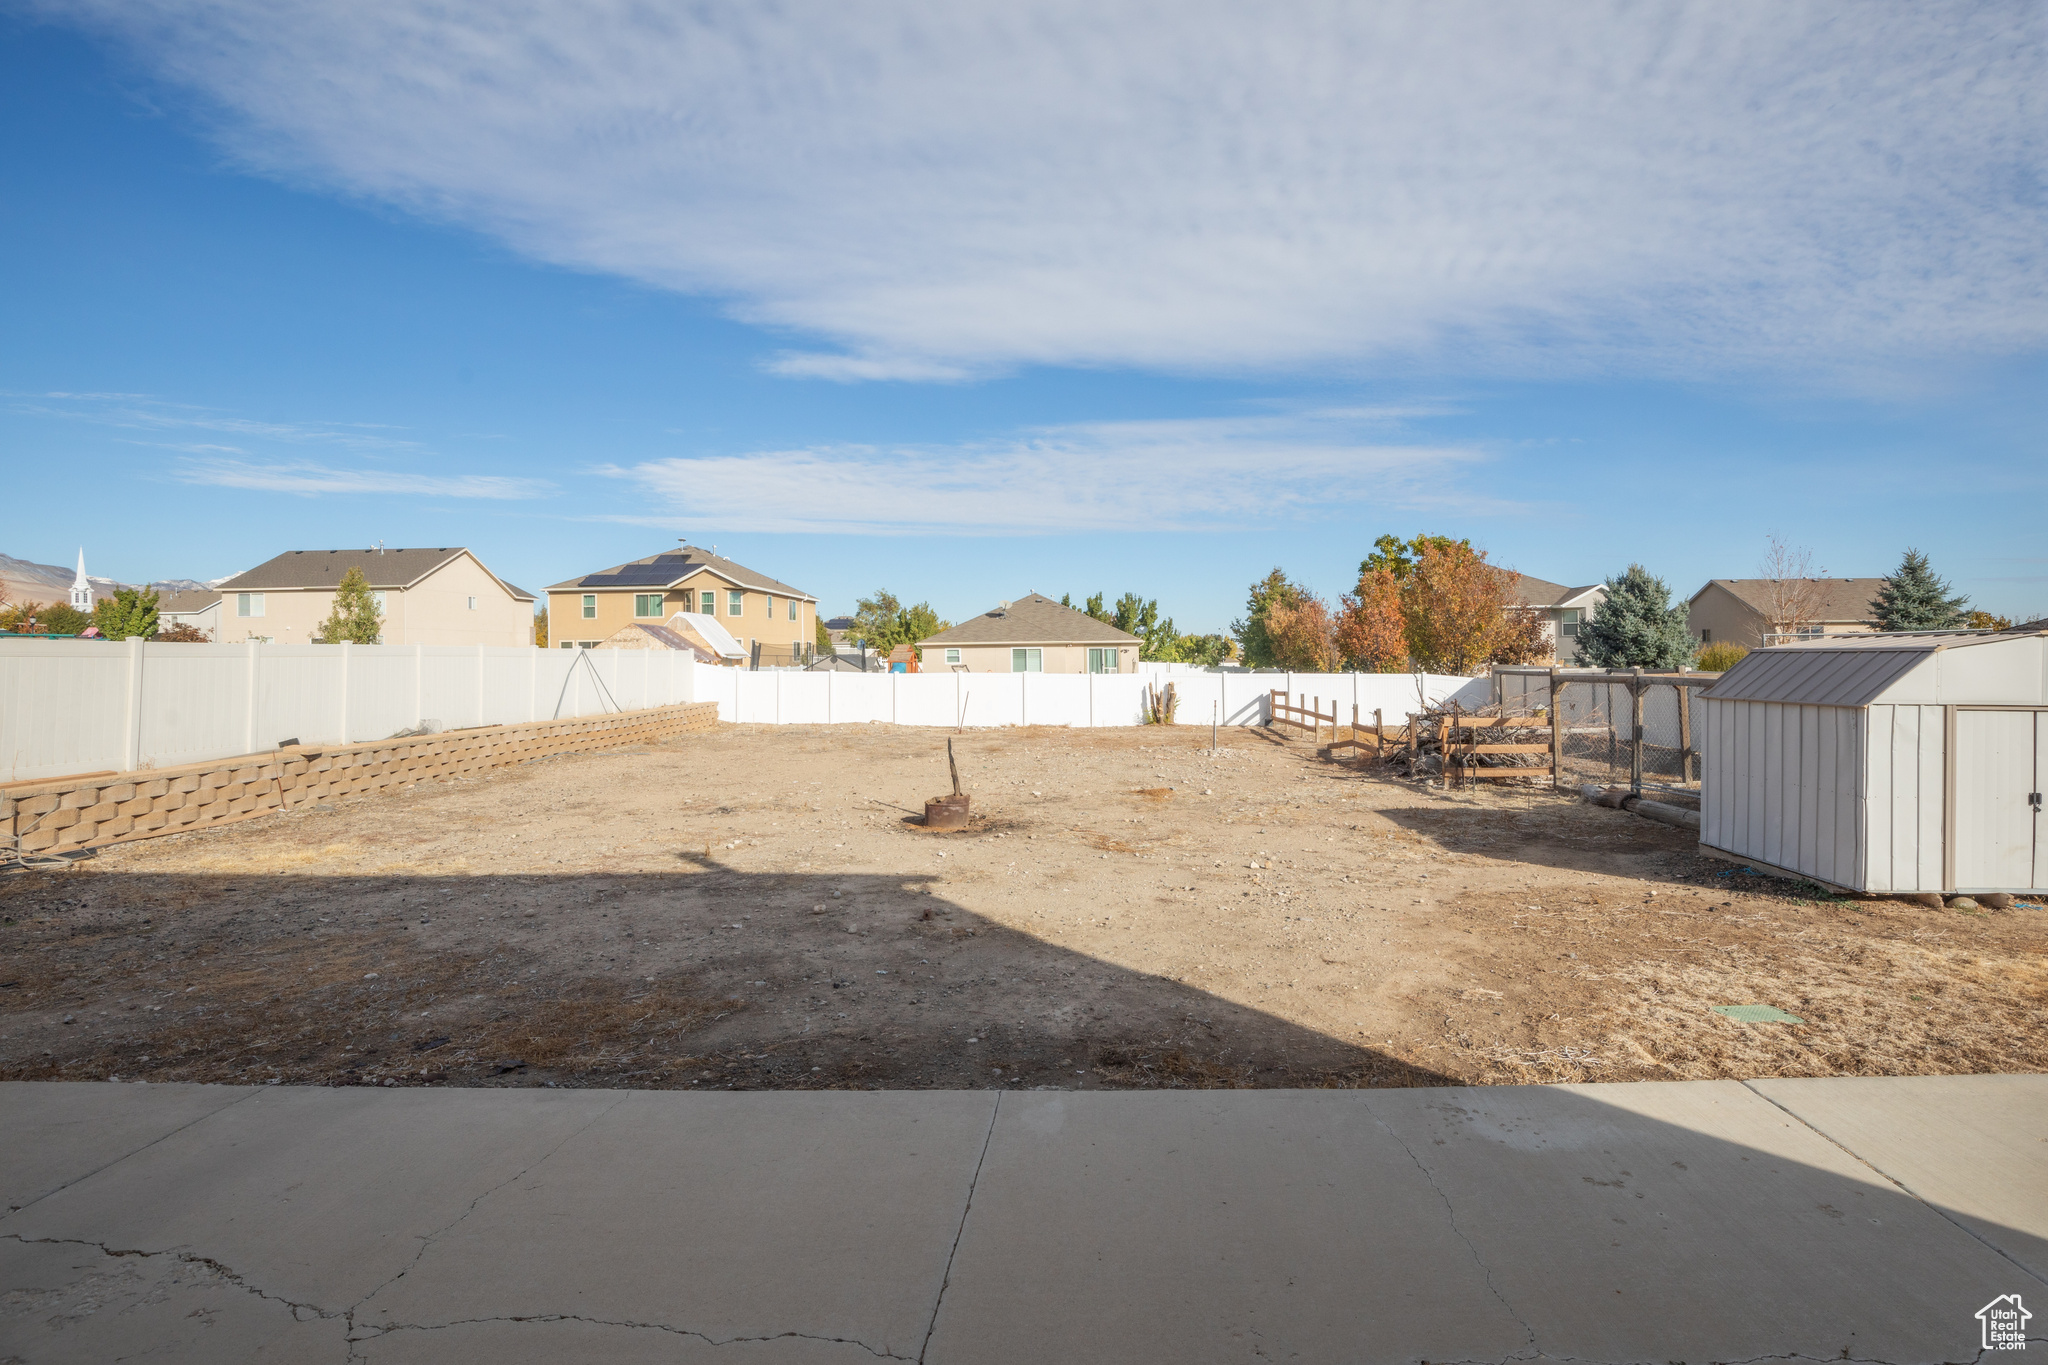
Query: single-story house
(443, 596)
(1033, 634)
(752, 607)
(1742, 611)
(199, 610)
(1563, 610)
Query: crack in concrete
(221, 1268)
(1451, 1212)
(967, 1207)
(637, 1326)
(429, 1239)
(161, 1137)
(1902, 1186)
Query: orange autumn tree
(1461, 612)
(1301, 634)
(1372, 632)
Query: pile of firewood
(1450, 733)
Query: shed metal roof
(1853, 670)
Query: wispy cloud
(1209, 474)
(940, 191)
(312, 480)
(261, 460)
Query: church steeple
(81, 586)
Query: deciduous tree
(1274, 590)
(354, 617)
(130, 611)
(540, 628)
(1372, 631)
(1457, 608)
(1302, 635)
(1792, 590)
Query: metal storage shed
(1892, 763)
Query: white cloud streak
(935, 191)
(1204, 475)
(261, 468)
(312, 480)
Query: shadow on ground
(703, 977)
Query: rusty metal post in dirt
(1635, 748)
(1686, 755)
(1379, 734)
(1556, 729)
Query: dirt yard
(757, 908)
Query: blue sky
(983, 303)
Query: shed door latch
(2034, 800)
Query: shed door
(1998, 772)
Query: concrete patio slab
(799, 1219)
(1209, 1226)
(1689, 1221)
(318, 1196)
(55, 1134)
(1976, 1146)
(1684, 1222)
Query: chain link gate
(1614, 728)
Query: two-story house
(753, 608)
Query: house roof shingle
(1840, 599)
(1033, 620)
(671, 567)
(1541, 592)
(386, 569)
(185, 603)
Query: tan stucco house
(752, 607)
(1563, 611)
(1033, 634)
(442, 596)
(1739, 610)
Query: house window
(590, 606)
(586, 644)
(644, 603)
(771, 608)
(1102, 661)
(568, 644)
(1706, 637)
(708, 603)
(952, 656)
(1027, 661)
(472, 604)
(248, 604)
(792, 609)
(377, 600)
(1568, 624)
(734, 602)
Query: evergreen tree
(1636, 627)
(130, 611)
(1914, 599)
(354, 618)
(1274, 590)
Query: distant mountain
(23, 580)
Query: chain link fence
(1634, 729)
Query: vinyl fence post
(131, 726)
(1635, 748)
(341, 732)
(249, 698)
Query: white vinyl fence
(71, 706)
(981, 699)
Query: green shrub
(1719, 657)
